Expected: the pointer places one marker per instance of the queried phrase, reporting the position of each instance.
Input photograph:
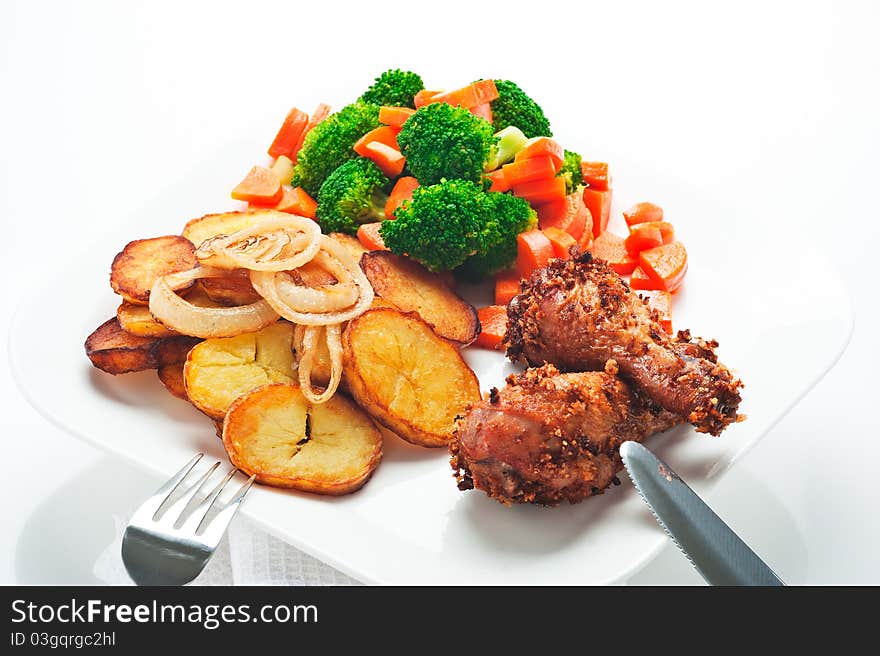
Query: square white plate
(782, 322)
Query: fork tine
(214, 529)
(176, 510)
(197, 517)
(160, 496)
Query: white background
(771, 107)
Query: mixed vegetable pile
(468, 180)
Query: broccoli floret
(514, 107)
(353, 194)
(441, 141)
(508, 216)
(329, 144)
(571, 171)
(441, 226)
(395, 88)
(510, 141)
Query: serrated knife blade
(718, 553)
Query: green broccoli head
(329, 144)
(571, 171)
(441, 226)
(395, 88)
(507, 217)
(514, 107)
(445, 142)
(353, 194)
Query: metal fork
(171, 545)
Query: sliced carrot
(640, 280)
(599, 204)
(425, 97)
(395, 116)
(382, 134)
(542, 147)
(539, 192)
(321, 112)
(499, 181)
(569, 214)
(528, 170)
(662, 302)
(389, 159)
(506, 286)
(586, 240)
(260, 186)
(643, 213)
(289, 133)
(368, 235)
(478, 93)
(665, 265)
(596, 175)
(611, 248)
(643, 236)
(403, 190)
(561, 242)
(493, 326)
(297, 201)
(533, 251)
(484, 111)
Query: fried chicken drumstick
(580, 315)
(550, 436)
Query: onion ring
(262, 246)
(305, 342)
(183, 317)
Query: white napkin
(246, 556)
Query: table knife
(718, 554)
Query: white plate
(781, 315)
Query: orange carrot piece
(640, 280)
(493, 326)
(389, 159)
(403, 190)
(569, 214)
(395, 116)
(561, 242)
(484, 111)
(662, 302)
(289, 133)
(539, 192)
(297, 201)
(599, 204)
(506, 286)
(425, 97)
(368, 235)
(529, 170)
(321, 112)
(261, 186)
(643, 236)
(533, 251)
(382, 134)
(611, 248)
(478, 93)
(542, 147)
(643, 213)
(499, 182)
(665, 265)
(596, 175)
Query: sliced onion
(279, 243)
(289, 299)
(183, 317)
(306, 344)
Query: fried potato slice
(211, 225)
(275, 434)
(115, 351)
(143, 261)
(234, 289)
(171, 376)
(218, 371)
(408, 285)
(137, 320)
(406, 377)
(352, 244)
